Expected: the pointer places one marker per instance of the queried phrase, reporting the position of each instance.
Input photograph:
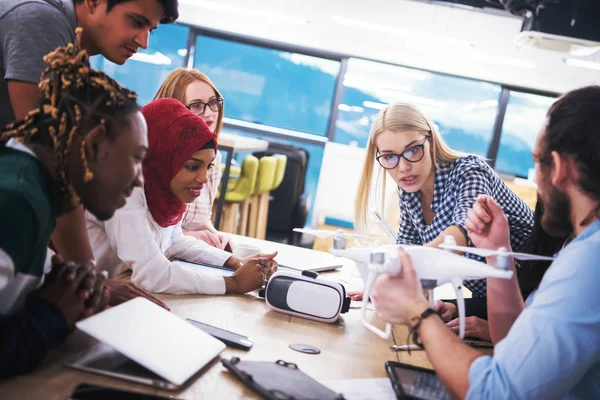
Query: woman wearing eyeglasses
(196, 91)
(437, 186)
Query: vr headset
(302, 295)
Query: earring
(88, 176)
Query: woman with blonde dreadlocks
(84, 145)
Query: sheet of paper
(293, 257)
(358, 305)
(363, 389)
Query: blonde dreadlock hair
(74, 99)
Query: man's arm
(504, 303)
(24, 48)
(24, 97)
(450, 357)
(399, 299)
(488, 229)
(70, 237)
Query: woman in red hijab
(145, 235)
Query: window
(147, 69)
(525, 114)
(463, 109)
(270, 87)
(315, 158)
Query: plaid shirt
(456, 188)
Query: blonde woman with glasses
(437, 186)
(196, 91)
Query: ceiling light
(581, 63)
(403, 33)
(246, 12)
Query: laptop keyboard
(428, 386)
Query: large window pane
(146, 70)
(315, 158)
(525, 114)
(463, 109)
(270, 87)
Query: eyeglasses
(412, 155)
(199, 107)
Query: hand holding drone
(434, 267)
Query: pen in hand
(405, 347)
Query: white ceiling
(435, 37)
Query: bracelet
(414, 330)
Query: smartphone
(410, 382)
(86, 391)
(229, 338)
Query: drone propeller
(339, 233)
(488, 253)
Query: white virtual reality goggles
(302, 295)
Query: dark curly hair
(74, 99)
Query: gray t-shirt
(30, 29)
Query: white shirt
(131, 239)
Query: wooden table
(348, 350)
(229, 144)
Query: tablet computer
(104, 360)
(143, 337)
(410, 382)
(87, 391)
(213, 269)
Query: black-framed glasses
(198, 107)
(413, 154)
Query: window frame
(343, 58)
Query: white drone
(434, 268)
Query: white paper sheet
(363, 389)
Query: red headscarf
(174, 135)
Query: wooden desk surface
(348, 350)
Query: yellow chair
(281, 162)
(240, 194)
(234, 173)
(280, 171)
(266, 176)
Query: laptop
(145, 343)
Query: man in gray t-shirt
(30, 29)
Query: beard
(556, 219)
